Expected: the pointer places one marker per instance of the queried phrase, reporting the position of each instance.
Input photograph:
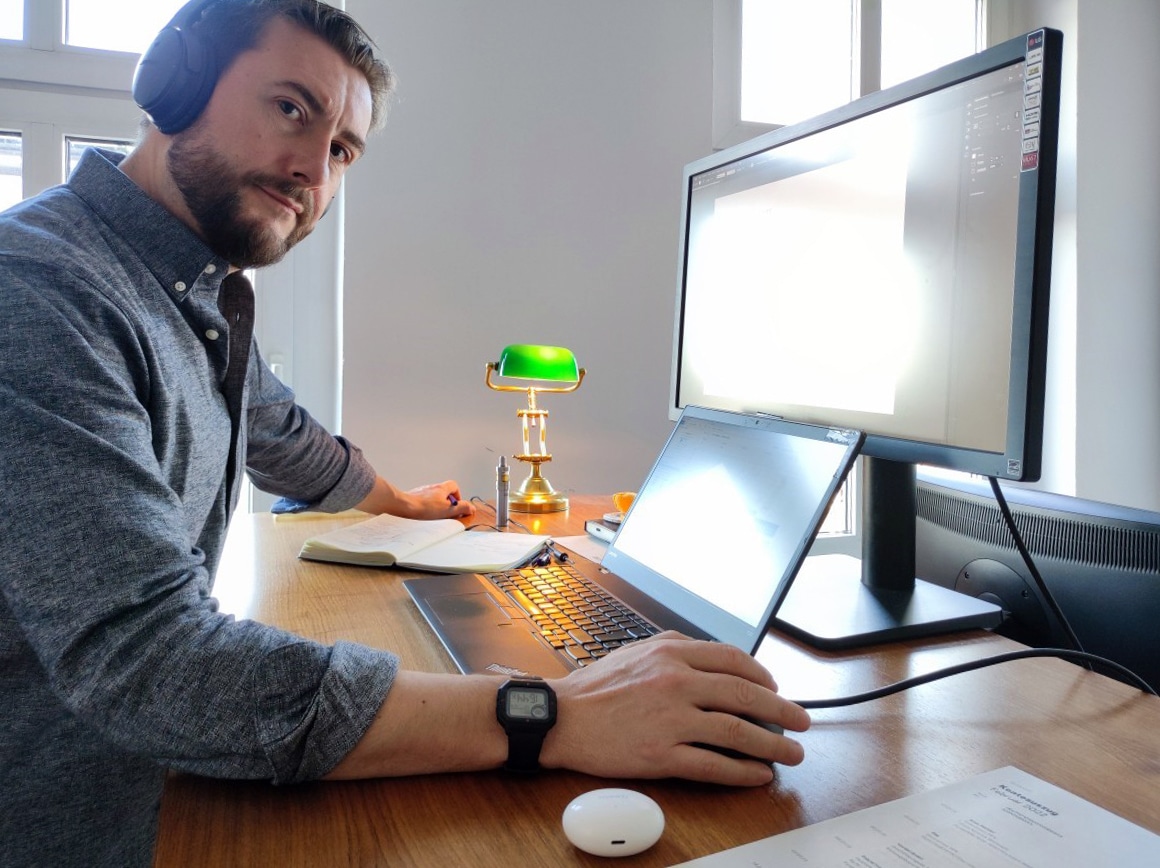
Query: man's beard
(213, 194)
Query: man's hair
(231, 27)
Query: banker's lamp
(546, 369)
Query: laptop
(709, 547)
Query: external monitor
(884, 267)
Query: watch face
(524, 703)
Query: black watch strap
(524, 751)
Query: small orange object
(622, 500)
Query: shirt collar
(175, 255)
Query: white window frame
(728, 127)
(51, 90)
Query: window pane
(841, 520)
(75, 146)
(11, 19)
(918, 36)
(11, 170)
(795, 58)
(116, 25)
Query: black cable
(898, 686)
(1009, 519)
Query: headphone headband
(178, 72)
(189, 14)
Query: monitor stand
(838, 601)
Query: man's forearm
(384, 497)
(430, 723)
(644, 711)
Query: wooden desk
(1081, 731)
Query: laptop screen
(726, 516)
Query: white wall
(525, 189)
(1118, 372)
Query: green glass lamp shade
(538, 362)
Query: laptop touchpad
(458, 607)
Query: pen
(453, 499)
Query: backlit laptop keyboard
(574, 615)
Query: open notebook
(710, 546)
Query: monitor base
(829, 607)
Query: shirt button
(212, 334)
(210, 269)
(179, 286)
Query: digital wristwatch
(526, 709)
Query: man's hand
(438, 500)
(642, 711)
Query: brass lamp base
(536, 494)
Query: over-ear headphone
(178, 72)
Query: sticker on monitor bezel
(1032, 98)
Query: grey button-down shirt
(115, 663)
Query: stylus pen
(559, 555)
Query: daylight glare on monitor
(880, 267)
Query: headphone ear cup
(174, 79)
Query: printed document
(1002, 818)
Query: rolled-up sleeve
(292, 455)
(307, 728)
(307, 704)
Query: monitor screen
(884, 267)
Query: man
(121, 422)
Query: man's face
(259, 167)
